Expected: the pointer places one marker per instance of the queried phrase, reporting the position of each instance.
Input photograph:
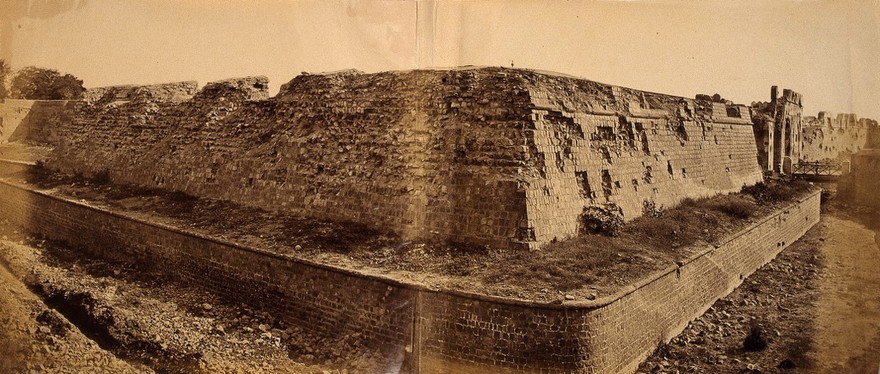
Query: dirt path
(848, 308)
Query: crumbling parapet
(173, 92)
(247, 88)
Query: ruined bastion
(487, 156)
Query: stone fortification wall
(486, 156)
(596, 144)
(439, 330)
(34, 121)
(828, 137)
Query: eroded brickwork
(443, 330)
(487, 156)
(597, 144)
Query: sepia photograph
(439, 186)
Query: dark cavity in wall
(605, 133)
(606, 153)
(645, 147)
(606, 183)
(584, 184)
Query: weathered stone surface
(34, 121)
(777, 127)
(487, 156)
(177, 91)
(827, 137)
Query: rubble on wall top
(601, 97)
(246, 88)
(338, 72)
(166, 92)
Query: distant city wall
(830, 137)
(433, 330)
(486, 156)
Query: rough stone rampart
(860, 186)
(596, 144)
(486, 156)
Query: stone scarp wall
(434, 330)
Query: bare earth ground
(848, 318)
(817, 306)
(34, 338)
(140, 319)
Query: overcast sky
(829, 50)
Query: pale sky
(828, 50)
